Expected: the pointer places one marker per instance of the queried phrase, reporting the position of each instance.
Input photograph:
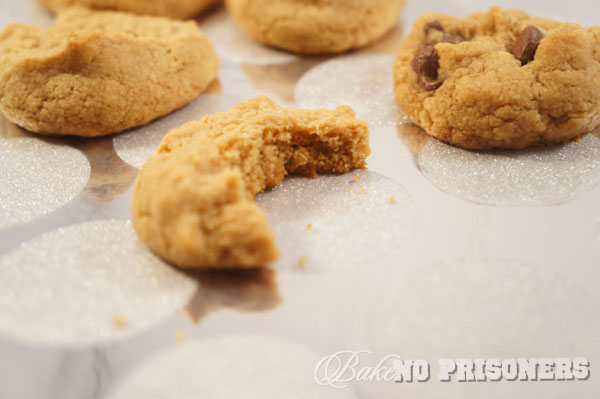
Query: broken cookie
(193, 202)
(500, 79)
(97, 73)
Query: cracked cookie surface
(193, 202)
(95, 73)
(180, 9)
(506, 80)
(315, 26)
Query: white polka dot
(539, 176)
(242, 367)
(85, 284)
(364, 82)
(38, 177)
(337, 223)
(233, 44)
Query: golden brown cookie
(315, 26)
(500, 79)
(180, 9)
(97, 73)
(193, 202)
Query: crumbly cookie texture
(316, 26)
(500, 79)
(179, 9)
(193, 202)
(97, 73)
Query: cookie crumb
(363, 190)
(339, 180)
(302, 262)
(346, 190)
(119, 321)
(356, 178)
(180, 336)
(392, 200)
(308, 226)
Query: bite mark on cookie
(193, 203)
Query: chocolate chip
(433, 25)
(453, 38)
(426, 64)
(449, 37)
(427, 61)
(526, 44)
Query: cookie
(97, 73)
(500, 79)
(315, 27)
(193, 202)
(180, 9)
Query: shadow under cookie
(253, 290)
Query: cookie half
(97, 73)
(180, 9)
(500, 79)
(315, 27)
(193, 202)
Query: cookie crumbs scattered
(346, 190)
(339, 180)
(356, 178)
(392, 200)
(363, 190)
(180, 336)
(302, 262)
(119, 321)
(308, 226)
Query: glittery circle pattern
(60, 289)
(542, 176)
(499, 308)
(37, 178)
(250, 367)
(364, 82)
(136, 146)
(233, 44)
(337, 223)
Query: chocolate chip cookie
(500, 79)
(193, 203)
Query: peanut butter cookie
(500, 79)
(96, 73)
(193, 202)
(315, 26)
(180, 9)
